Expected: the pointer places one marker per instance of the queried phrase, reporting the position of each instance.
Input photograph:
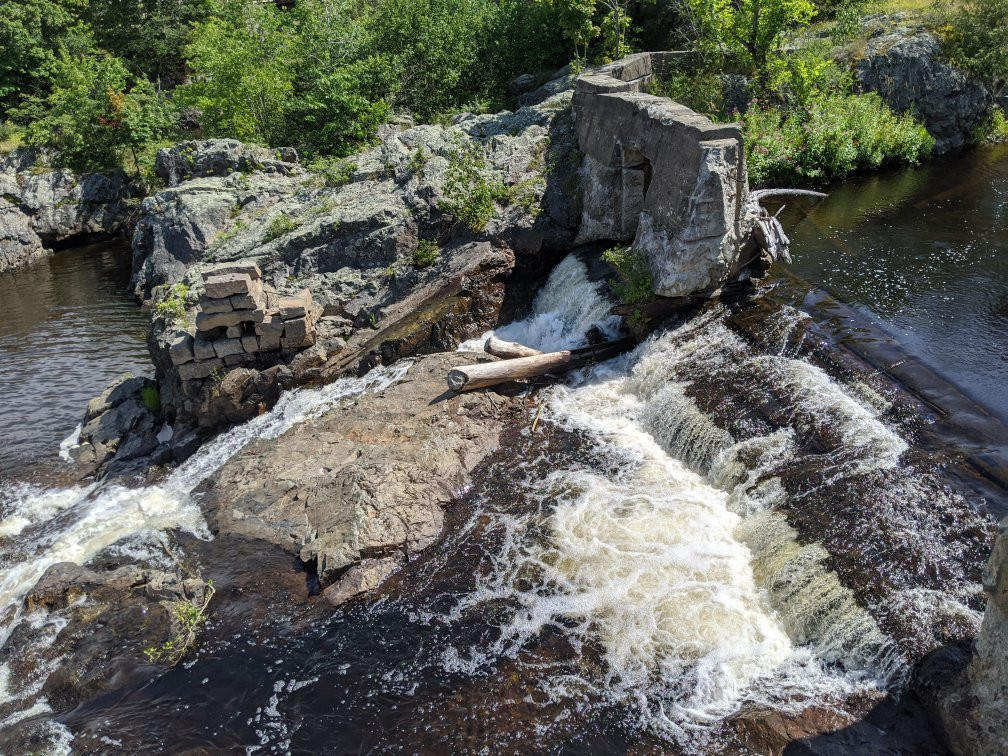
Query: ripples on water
(69, 328)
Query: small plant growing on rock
(332, 170)
(189, 616)
(172, 305)
(634, 284)
(418, 161)
(469, 193)
(281, 225)
(426, 252)
(389, 272)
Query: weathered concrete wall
(660, 175)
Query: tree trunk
(485, 374)
(508, 350)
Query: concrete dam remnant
(660, 176)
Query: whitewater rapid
(42, 527)
(672, 561)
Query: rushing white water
(673, 563)
(74, 524)
(564, 309)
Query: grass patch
(280, 225)
(10, 137)
(426, 253)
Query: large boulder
(19, 244)
(359, 490)
(906, 68)
(975, 709)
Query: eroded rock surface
(41, 207)
(907, 70)
(360, 489)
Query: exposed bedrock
(906, 69)
(661, 176)
(41, 208)
(359, 490)
(388, 267)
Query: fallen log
(508, 350)
(484, 374)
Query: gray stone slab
(295, 306)
(203, 348)
(296, 328)
(248, 267)
(234, 332)
(272, 325)
(228, 285)
(225, 347)
(180, 348)
(202, 369)
(208, 322)
(250, 344)
(210, 305)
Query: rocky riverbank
(42, 208)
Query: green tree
(242, 70)
(149, 35)
(746, 32)
(33, 34)
(95, 112)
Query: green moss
(471, 194)
(151, 397)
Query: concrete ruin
(660, 176)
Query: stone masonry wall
(661, 176)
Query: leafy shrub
(994, 127)
(975, 37)
(470, 195)
(333, 170)
(700, 91)
(281, 225)
(426, 253)
(172, 302)
(418, 162)
(634, 284)
(831, 138)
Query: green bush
(975, 37)
(426, 253)
(280, 225)
(470, 194)
(634, 284)
(831, 138)
(698, 90)
(333, 170)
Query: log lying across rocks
(482, 375)
(508, 350)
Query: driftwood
(484, 374)
(768, 231)
(508, 350)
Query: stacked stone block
(236, 325)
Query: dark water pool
(922, 256)
(68, 328)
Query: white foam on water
(73, 525)
(70, 441)
(564, 309)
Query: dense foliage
(975, 37)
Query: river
(761, 508)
